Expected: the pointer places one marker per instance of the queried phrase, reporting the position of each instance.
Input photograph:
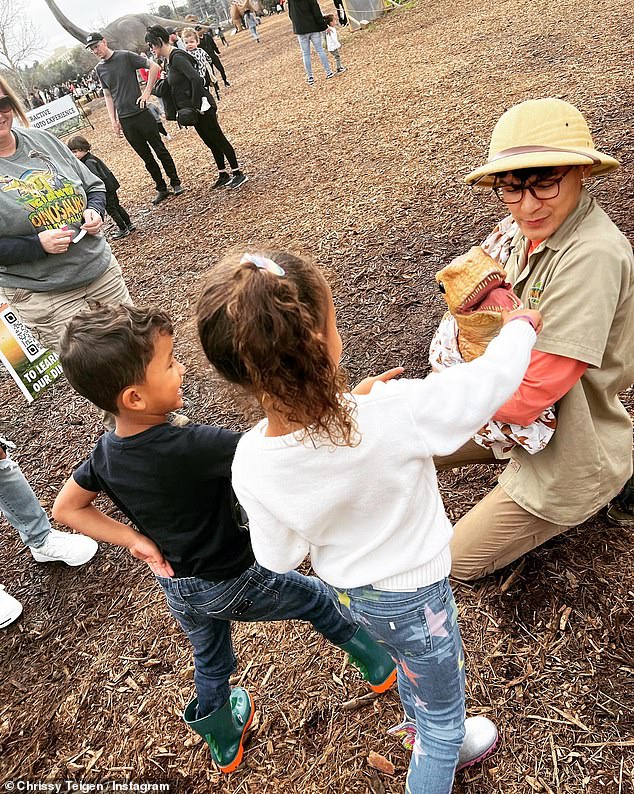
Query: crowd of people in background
(86, 86)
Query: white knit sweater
(372, 514)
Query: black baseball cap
(93, 38)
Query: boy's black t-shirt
(174, 484)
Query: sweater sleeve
(275, 546)
(16, 250)
(448, 407)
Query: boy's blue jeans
(205, 611)
(20, 505)
(420, 629)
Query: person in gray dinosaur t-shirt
(128, 112)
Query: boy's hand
(145, 549)
(366, 384)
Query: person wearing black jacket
(194, 105)
(308, 26)
(80, 147)
(208, 44)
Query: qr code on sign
(23, 336)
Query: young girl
(350, 477)
(333, 45)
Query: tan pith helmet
(539, 133)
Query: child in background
(191, 40)
(220, 33)
(80, 147)
(155, 110)
(251, 21)
(349, 477)
(174, 484)
(333, 45)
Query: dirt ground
(364, 172)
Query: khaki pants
(47, 313)
(497, 530)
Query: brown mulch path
(364, 172)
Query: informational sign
(32, 367)
(61, 116)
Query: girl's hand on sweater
(56, 241)
(526, 315)
(365, 387)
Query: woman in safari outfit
(569, 260)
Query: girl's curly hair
(266, 332)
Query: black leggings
(116, 211)
(141, 132)
(217, 63)
(212, 136)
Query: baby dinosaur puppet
(476, 291)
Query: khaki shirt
(582, 280)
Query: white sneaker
(10, 608)
(480, 741)
(64, 547)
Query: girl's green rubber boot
(374, 662)
(224, 730)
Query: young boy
(174, 484)
(80, 147)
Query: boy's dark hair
(157, 35)
(108, 348)
(328, 18)
(78, 144)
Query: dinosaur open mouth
(493, 294)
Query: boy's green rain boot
(224, 730)
(375, 663)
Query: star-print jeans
(420, 629)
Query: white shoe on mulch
(480, 741)
(10, 608)
(64, 547)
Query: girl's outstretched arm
(365, 386)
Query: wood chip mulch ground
(364, 172)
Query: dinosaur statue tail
(69, 27)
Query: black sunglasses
(5, 104)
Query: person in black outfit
(128, 112)
(194, 105)
(208, 44)
(80, 147)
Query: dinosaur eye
(441, 287)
